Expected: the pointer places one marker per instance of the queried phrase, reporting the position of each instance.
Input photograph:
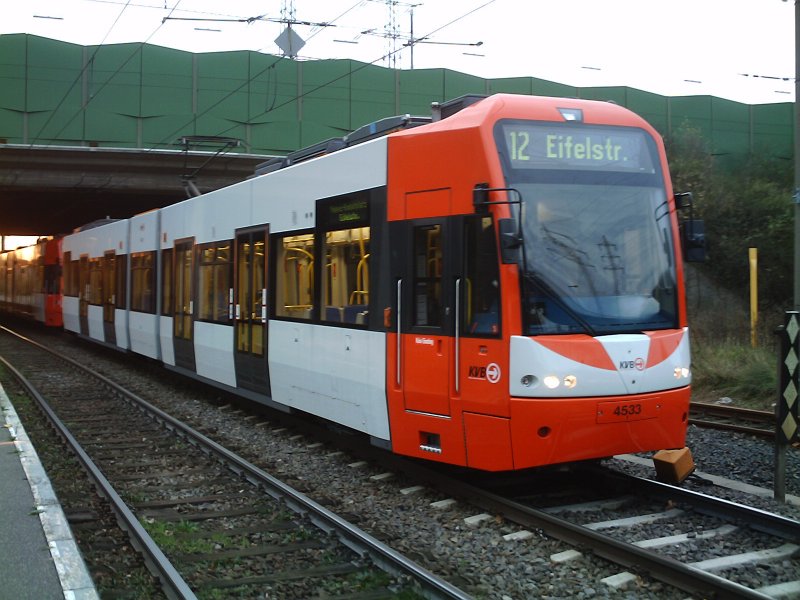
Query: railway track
(642, 570)
(718, 549)
(206, 521)
(760, 423)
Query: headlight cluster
(682, 372)
(551, 381)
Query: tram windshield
(598, 248)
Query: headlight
(551, 381)
(570, 381)
(682, 372)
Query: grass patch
(724, 363)
(735, 370)
(164, 534)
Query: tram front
(602, 365)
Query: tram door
(426, 317)
(446, 272)
(183, 320)
(109, 276)
(250, 310)
(83, 294)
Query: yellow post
(753, 295)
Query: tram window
(214, 282)
(95, 295)
(22, 282)
(52, 274)
(345, 280)
(143, 282)
(427, 308)
(70, 289)
(109, 278)
(40, 282)
(166, 282)
(83, 280)
(121, 283)
(294, 283)
(481, 290)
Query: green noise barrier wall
(55, 93)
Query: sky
(742, 50)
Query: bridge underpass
(49, 190)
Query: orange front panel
(483, 380)
(444, 166)
(426, 373)
(488, 442)
(52, 311)
(440, 439)
(557, 430)
(428, 203)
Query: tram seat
(355, 313)
(299, 312)
(333, 313)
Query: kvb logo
(490, 372)
(627, 365)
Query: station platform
(39, 559)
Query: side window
(345, 252)
(109, 277)
(52, 275)
(345, 280)
(40, 281)
(294, 281)
(166, 282)
(214, 282)
(68, 289)
(481, 290)
(121, 283)
(95, 281)
(143, 282)
(427, 308)
(83, 279)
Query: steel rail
(662, 568)
(755, 431)
(353, 537)
(172, 583)
(756, 518)
(737, 413)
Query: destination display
(533, 145)
(350, 210)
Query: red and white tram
(30, 281)
(498, 288)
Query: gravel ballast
(484, 559)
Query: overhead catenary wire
(315, 89)
(79, 77)
(105, 83)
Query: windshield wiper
(548, 290)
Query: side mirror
(693, 240)
(683, 200)
(510, 240)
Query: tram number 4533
(626, 410)
(609, 412)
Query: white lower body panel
(213, 352)
(70, 311)
(165, 339)
(333, 372)
(143, 333)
